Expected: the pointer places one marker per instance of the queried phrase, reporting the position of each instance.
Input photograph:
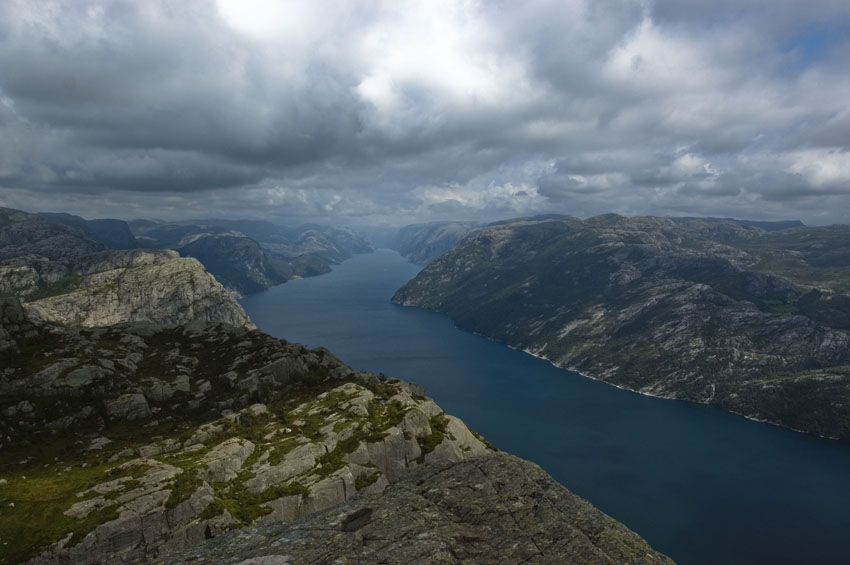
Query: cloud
(405, 111)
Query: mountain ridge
(659, 308)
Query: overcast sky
(394, 112)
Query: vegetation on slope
(684, 310)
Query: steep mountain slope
(420, 243)
(159, 287)
(515, 513)
(165, 433)
(238, 262)
(29, 234)
(126, 443)
(761, 225)
(54, 269)
(248, 256)
(114, 234)
(660, 308)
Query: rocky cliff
(119, 286)
(250, 256)
(114, 234)
(29, 234)
(132, 442)
(420, 243)
(491, 509)
(65, 276)
(708, 311)
(172, 291)
(119, 443)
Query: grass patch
(280, 449)
(439, 430)
(248, 506)
(33, 509)
(365, 481)
(334, 460)
(184, 485)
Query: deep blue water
(699, 484)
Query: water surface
(697, 483)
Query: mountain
(249, 256)
(66, 277)
(760, 224)
(22, 233)
(114, 234)
(420, 243)
(706, 310)
(139, 285)
(238, 262)
(131, 442)
(148, 437)
(515, 513)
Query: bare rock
(128, 407)
(224, 461)
(492, 509)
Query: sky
(373, 113)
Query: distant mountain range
(250, 256)
(114, 234)
(420, 243)
(68, 276)
(246, 256)
(717, 311)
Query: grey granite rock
(128, 407)
(492, 509)
(162, 289)
(161, 447)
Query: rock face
(65, 277)
(158, 286)
(29, 234)
(238, 262)
(250, 256)
(114, 234)
(152, 438)
(706, 310)
(492, 509)
(420, 243)
(111, 287)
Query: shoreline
(627, 389)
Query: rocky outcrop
(420, 243)
(129, 286)
(153, 438)
(664, 309)
(64, 276)
(114, 234)
(34, 276)
(492, 509)
(238, 262)
(29, 234)
(250, 256)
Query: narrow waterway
(699, 484)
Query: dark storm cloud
(398, 112)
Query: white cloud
(413, 110)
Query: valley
(700, 484)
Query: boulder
(128, 407)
